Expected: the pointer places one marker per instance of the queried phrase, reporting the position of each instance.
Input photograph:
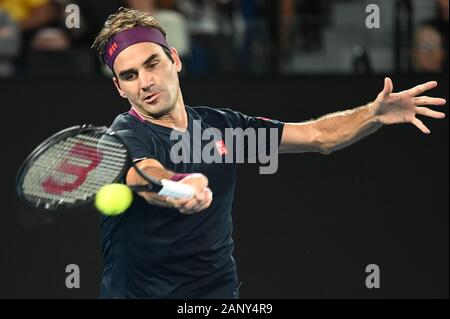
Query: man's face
(428, 53)
(148, 78)
(443, 5)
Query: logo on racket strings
(67, 167)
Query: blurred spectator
(171, 20)
(361, 60)
(93, 16)
(440, 21)
(287, 26)
(29, 14)
(175, 25)
(141, 5)
(312, 18)
(430, 50)
(253, 36)
(59, 49)
(50, 39)
(33, 15)
(9, 44)
(211, 24)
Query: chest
(198, 154)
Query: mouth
(152, 97)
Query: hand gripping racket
(69, 168)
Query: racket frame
(154, 184)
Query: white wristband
(176, 189)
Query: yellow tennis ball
(113, 199)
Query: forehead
(134, 55)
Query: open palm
(402, 107)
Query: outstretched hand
(402, 107)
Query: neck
(175, 119)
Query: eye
(153, 65)
(130, 77)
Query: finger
(430, 113)
(426, 100)
(198, 208)
(418, 123)
(388, 86)
(202, 202)
(190, 204)
(203, 194)
(418, 89)
(207, 194)
(205, 204)
(199, 198)
(186, 208)
(177, 202)
(156, 199)
(160, 203)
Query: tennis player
(166, 248)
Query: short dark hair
(122, 20)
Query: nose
(146, 81)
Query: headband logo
(112, 49)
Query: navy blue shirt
(158, 252)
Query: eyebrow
(149, 59)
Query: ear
(176, 59)
(116, 84)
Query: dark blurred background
(236, 37)
(382, 201)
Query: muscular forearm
(157, 172)
(340, 129)
(154, 169)
(201, 200)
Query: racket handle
(176, 190)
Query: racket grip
(176, 190)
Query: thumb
(388, 86)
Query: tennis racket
(68, 169)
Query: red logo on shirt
(221, 147)
(112, 48)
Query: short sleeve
(267, 131)
(135, 136)
(238, 119)
(138, 149)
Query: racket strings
(74, 169)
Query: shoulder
(214, 116)
(123, 120)
(126, 124)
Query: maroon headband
(124, 39)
